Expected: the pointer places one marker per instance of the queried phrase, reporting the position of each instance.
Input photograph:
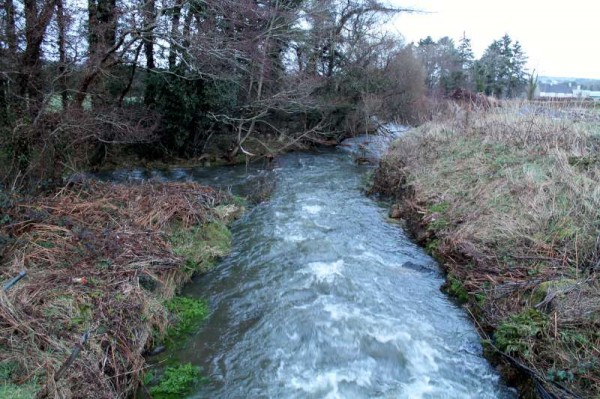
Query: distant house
(556, 90)
(565, 90)
(594, 95)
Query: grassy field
(106, 259)
(509, 201)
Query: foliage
(502, 68)
(456, 289)
(176, 382)
(299, 70)
(91, 251)
(499, 72)
(447, 67)
(532, 85)
(187, 314)
(517, 334)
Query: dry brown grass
(114, 237)
(511, 199)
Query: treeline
(76, 78)
(500, 72)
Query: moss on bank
(105, 259)
(509, 202)
(200, 246)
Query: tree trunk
(174, 34)
(35, 29)
(11, 31)
(149, 20)
(102, 27)
(62, 54)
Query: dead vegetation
(99, 259)
(509, 199)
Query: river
(324, 297)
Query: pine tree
(467, 61)
(503, 68)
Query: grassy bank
(509, 201)
(106, 259)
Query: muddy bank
(103, 263)
(507, 201)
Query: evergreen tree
(467, 62)
(502, 68)
(442, 63)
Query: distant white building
(558, 90)
(565, 90)
(594, 95)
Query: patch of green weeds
(104, 263)
(237, 200)
(517, 334)
(201, 245)
(544, 288)
(188, 313)
(584, 162)
(176, 382)
(8, 389)
(82, 319)
(560, 375)
(456, 289)
(438, 224)
(432, 246)
(440, 207)
(148, 377)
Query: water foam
(327, 384)
(324, 271)
(312, 209)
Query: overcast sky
(561, 38)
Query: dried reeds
(89, 251)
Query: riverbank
(508, 201)
(215, 153)
(103, 261)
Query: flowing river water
(324, 297)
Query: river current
(324, 297)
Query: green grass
(10, 390)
